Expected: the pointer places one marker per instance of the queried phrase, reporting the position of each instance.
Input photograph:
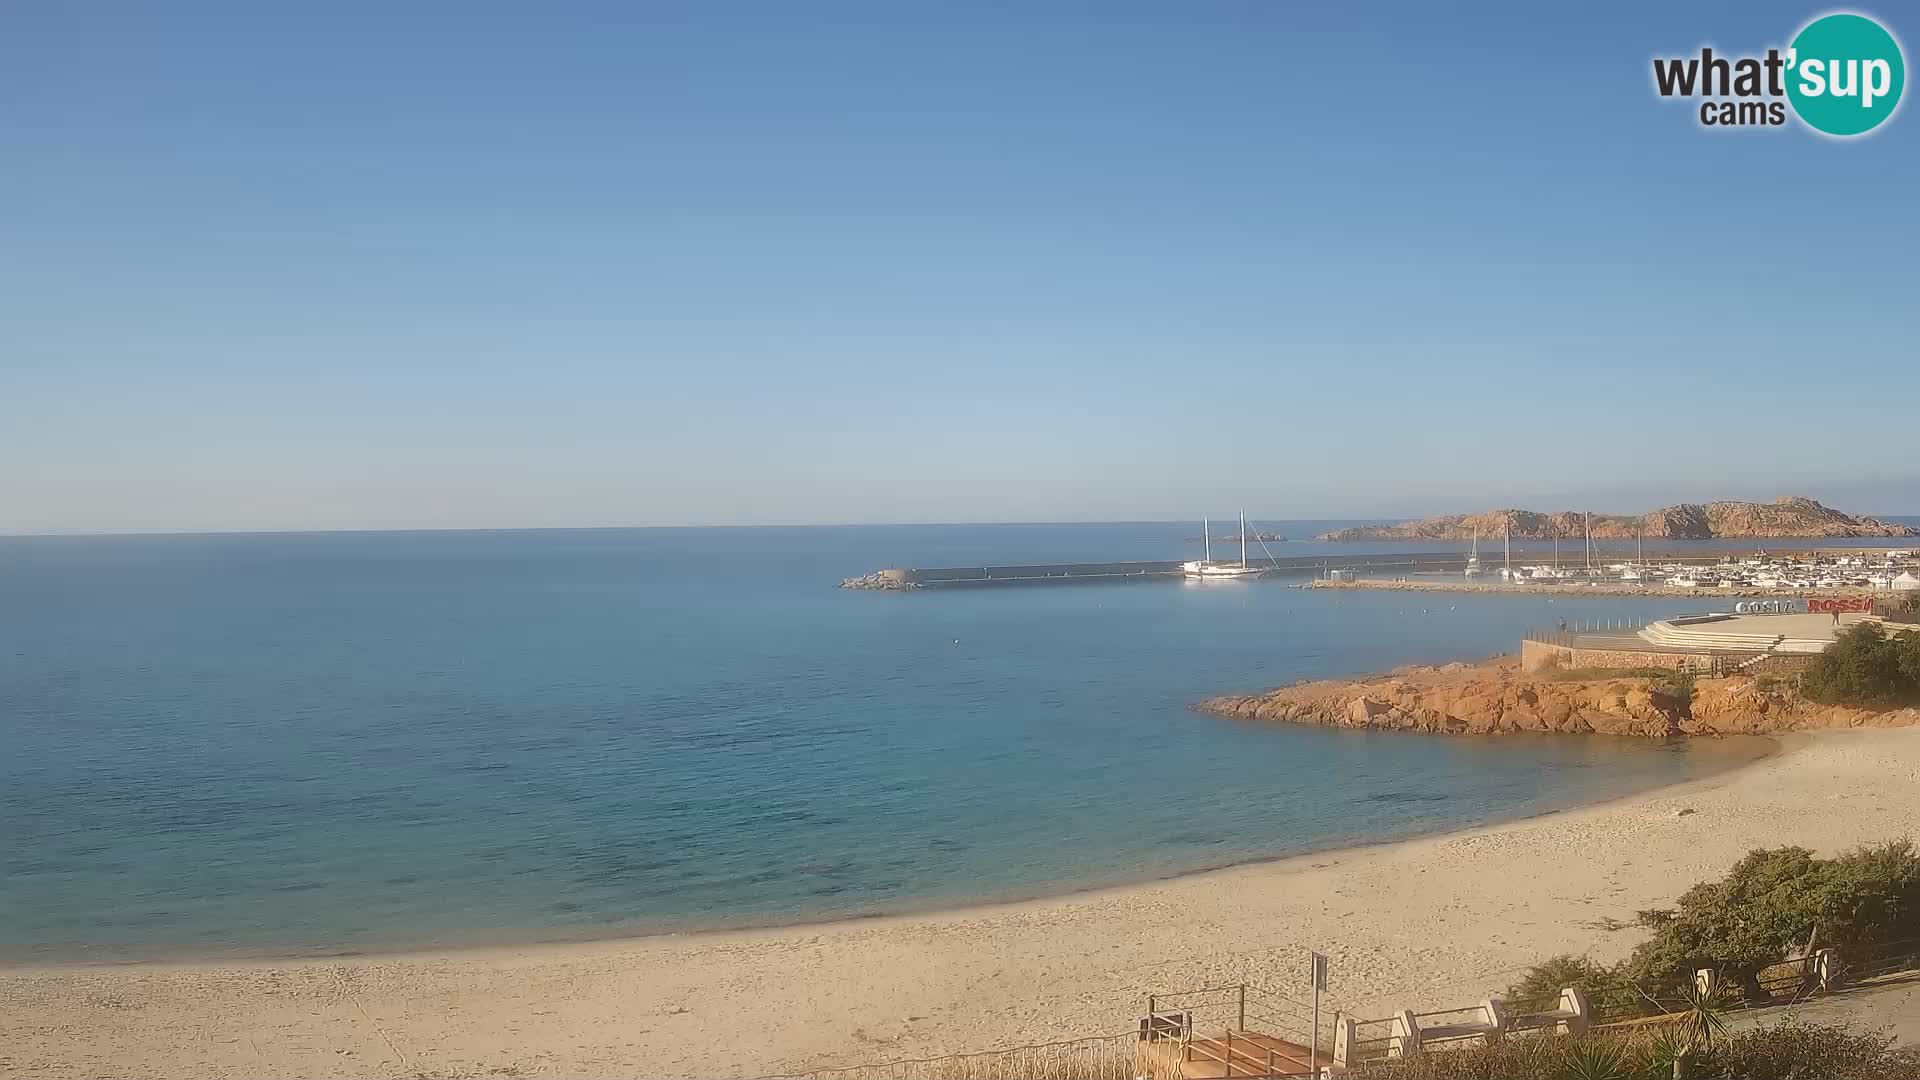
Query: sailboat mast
(1588, 518)
(1206, 536)
(1506, 544)
(1243, 539)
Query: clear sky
(464, 264)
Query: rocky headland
(1789, 517)
(1496, 698)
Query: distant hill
(1788, 517)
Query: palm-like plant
(1658, 1047)
(1597, 1059)
(1703, 1006)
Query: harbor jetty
(1157, 570)
(1697, 572)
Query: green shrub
(1591, 674)
(1540, 987)
(1787, 1051)
(1774, 904)
(1677, 685)
(1864, 666)
(1809, 1052)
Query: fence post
(1573, 1002)
(1496, 1011)
(1707, 981)
(1825, 968)
(1406, 1035)
(1243, 1008)
(1344, 1035)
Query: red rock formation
(1788, 517)
(1497, 698)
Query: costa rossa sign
(1818, 605)
(1784, 606)
(1821, 605)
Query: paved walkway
(1893, 1007)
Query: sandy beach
(1422, 923)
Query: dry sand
(1424, 923)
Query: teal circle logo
(1845, 74)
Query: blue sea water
(288, 743)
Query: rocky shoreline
(881, 581)
(1786, 518)
(1495, 697)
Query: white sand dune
(1424, 923)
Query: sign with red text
(1821, 605)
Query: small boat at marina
(1473, 560)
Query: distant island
(1789, 517)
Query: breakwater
(1316, 566)
(1156, 570)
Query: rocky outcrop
(881, 580)
(1496, 698)
(1789, 517)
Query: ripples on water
(283, 743)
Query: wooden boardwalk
(1233, 1055)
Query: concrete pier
(1068, 573)
(1396, 563)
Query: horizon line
(342, 531)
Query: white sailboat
(1507, 572)
(1208, 570)
(1473, 560)
(1632, 573)
(1549, 573)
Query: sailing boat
(1506, 553)
(1473, 560)
(1209, 570)
(1632, 573)
(1550, 573)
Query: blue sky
(450, 265)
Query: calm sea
(315, 742)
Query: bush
(1866, 667)
(1785, 1052)
(1677, 685)
(1809, 1052)
(1775, 904)
(1542, 983)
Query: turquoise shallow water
(318, 742)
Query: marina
(1889, 570)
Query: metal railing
(1373, 1040)
(1246, 1029)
